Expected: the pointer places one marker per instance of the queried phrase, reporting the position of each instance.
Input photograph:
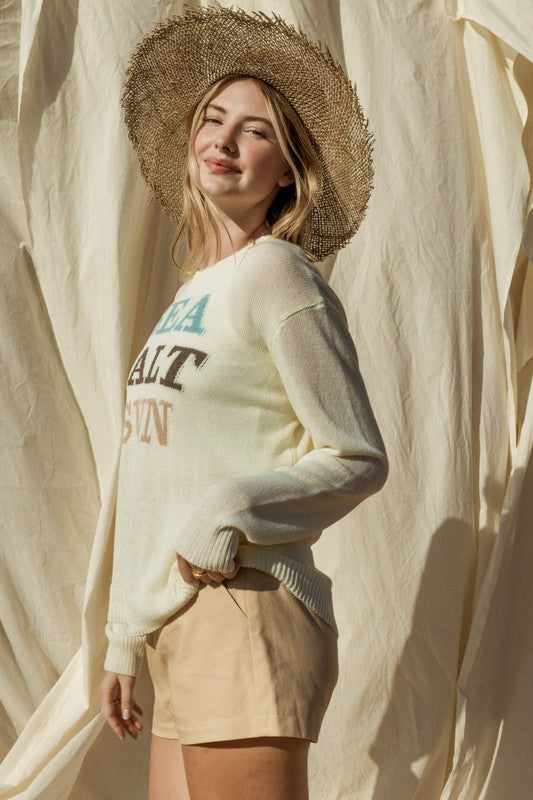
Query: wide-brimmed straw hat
(174, 64)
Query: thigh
(167, 772)
(263, 768)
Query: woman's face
(240, 165)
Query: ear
(286, 179)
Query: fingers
(185, 569)
(118, 706)
(109, 711)
(207, 577)
(127, 705)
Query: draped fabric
(432, 575)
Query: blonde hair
(291, 207)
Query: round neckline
(236, 254)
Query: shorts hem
(242, 728)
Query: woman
(247, 428)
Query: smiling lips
(220, 166)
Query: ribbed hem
(125, 655)
(307, 583)
(215, 552)
(127, 641)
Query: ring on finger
(198, 573)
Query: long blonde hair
(291, 207)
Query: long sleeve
(246, 424)
(315, 356)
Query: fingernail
(126, 713)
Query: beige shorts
(243, 659)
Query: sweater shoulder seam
(315, 304)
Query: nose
(225, 141)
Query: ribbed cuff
(215, 552)
(125, 655)
(305, 582)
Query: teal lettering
(190, 321)
(195, 317)
(168, 320)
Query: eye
(257, 132)
(211, 119)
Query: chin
(214, 187)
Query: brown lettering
(146, 416)
(151, 378)
(161, 426)
(146, 408)
(139, 408)
(178, 362)
(126, 430)
(138, 367)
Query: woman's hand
(186, 571)
(116, 692)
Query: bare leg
(266, 768)
(167, 771)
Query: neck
(234, 235)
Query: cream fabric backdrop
(432, 576)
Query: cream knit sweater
(247, 427)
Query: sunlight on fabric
(431, 577)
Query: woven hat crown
(174, 64)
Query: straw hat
(175, 63)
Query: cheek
(277, 167)
(268, 164)
(199, 142)
(275, 163)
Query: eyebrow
(247, 119)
